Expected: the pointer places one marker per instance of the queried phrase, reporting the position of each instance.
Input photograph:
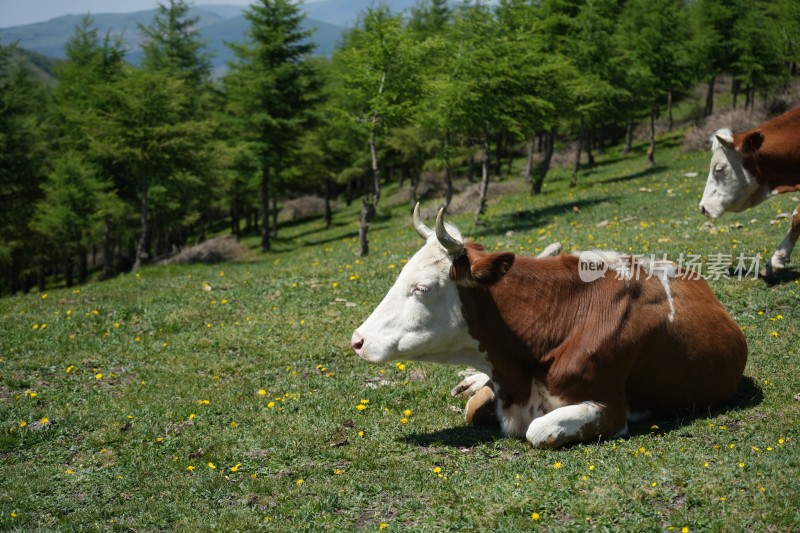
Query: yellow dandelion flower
(437, 470)
(407, 412)
(99, 375)
(383, 525)
(361, 407)
(781, 440)
(299, 482)
(684, 529)
(203, 402)
(192, 416)
(360, 433)
(557, 465)
(69, 471)
(774, 333)
(71, 368)
(741, 464)
(404, 420)
(212, 466)
(262, 392)
(44, 420)
(190, 468)
(365, 402)
(44, 296)
(270, 405)
(236, 467)
(234, 424)
(535, 516)
(22, 423)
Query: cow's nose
(357, 342)
(703, 211)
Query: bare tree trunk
(589, 137)
(735, 92)
(142, 255)
(709, 107)
(509, 153)
(367, 213)
(628, 135)
(577, 166)
(274, 216)
(651, 151)
(498, 154)
(107, 248)
(448, 172)
(265, 244)
(670, 121)
(527, 172)
(83, 265)
(328, 211)
(548, 140)
(484, 179)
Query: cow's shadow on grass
(787, 276)
(456, 437)
(748, 394)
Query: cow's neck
(775, 171)
(516, 324)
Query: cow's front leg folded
(577, 422)
(472, 383)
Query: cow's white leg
(470, 385)
(573, 423)
(780, 258)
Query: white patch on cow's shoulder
(565, 424)
(621, 265)
(664, 271)
(515, 418)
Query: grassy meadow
(191, 398)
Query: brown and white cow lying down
(569, 360)
(751, 166)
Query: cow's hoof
(770, 272)
(481, 409)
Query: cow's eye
(719, 170)
(419, 290)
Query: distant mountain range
(216, 23)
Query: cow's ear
(752, 142)
(489, 268)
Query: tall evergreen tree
(81, 97)
(173, 44)
(379, 63)
(270, 90)
(23, 165)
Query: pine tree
(270, 89)
(23, 165)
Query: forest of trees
(114, 166)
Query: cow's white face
(420, 317)
(729, 187)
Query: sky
(21, 12)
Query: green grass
(184, 351)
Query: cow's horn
(423, 230)
(452, 246)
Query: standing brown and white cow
(751, 166)
(570, 357)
